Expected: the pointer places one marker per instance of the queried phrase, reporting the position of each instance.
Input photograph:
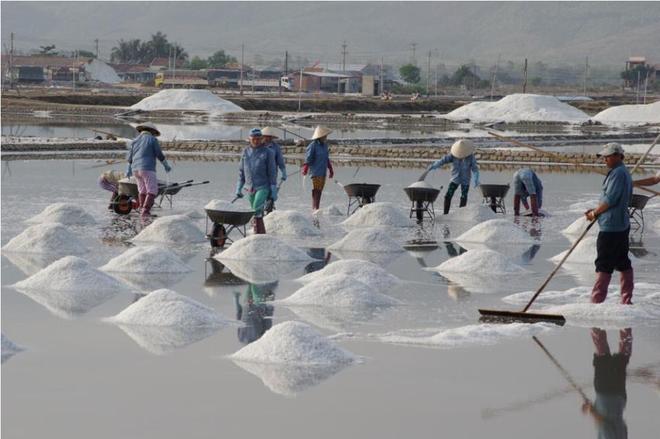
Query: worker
(464, 164)
(109, 181)
(648, 181)
(144, 151)
(257, 169)
(614, 222)
(268, 134)
(527, 184)
(256, 313)
(317, 161)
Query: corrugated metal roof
(326, 75)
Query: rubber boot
(599, 292)
(627, 284)
(316, 199)
(463, 202)
(141, 200)
(112, 201)
(599, 337)
(259, 226)
(447, 205)
(148, 204)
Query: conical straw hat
(148, 126)
(268, 131)
(462, 148)
(320, 132)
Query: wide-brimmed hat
(320, 132)
(609, 149)
(268, 131)
(148, 126)
(462, 148)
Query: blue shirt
(317, 157)
(279, 158)
(145, 149)
(617, 191)
(461, 169)
(257, 168)
(526, 183)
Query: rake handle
(563, 371)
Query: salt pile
(338, 290)
(294, 343)
(630, 114)
(378, 214)
(289, 222)
(470, 335)
(263, 248)
(480, 262)
(363, 271)
(167, 308)
(520, 107)
(577, 227)
(584, 253)
(331, 210)
(472, 213)
(177, 99)
(63, 213)
(50, 238)
(147, 259)
(371, 240)
(606, 313)
(260, 272)
(226, 206)
(100, 71)
(161, 340)
(9, 348)
(174, 229)
(496, 231)
(71, 273)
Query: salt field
(157, 337)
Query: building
(640, 61)
(54, 68)
(134, 72)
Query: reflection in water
(253, 310)
(69, 304)
(637, 247)
(530, 253)
(121, 229)
(322, 259)
(150, 281)
(261, 272)
(160, 340)
(215, 275)
(453, 249)
(31, 263)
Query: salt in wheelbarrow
(127, 194)
(223, 222)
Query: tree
(410, 73)
(536, 81)
(47, 50)
(86, 53)
(158, 45)
(130, 52)
(465, 75)
(196, 63)
(639, 71)
(220, 59)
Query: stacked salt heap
(630, 114)
(520, 107)
(263, 248)
(363, 271)
(289, 222)
(480, 262)
(584, 253)
(49, 238)
(201, 100)
(294, 343)
(174, 229)
(496, 231)
(472, 213)
(226, 206)
(378, 214)
(338, 290)
(167, 308)
(331, 210)
(63, 213)
(577, 227)
(370, 240)
(72, 274)
(421, 184)
(147, 259)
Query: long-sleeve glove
(331, 171)
(129, 171)
(239, 190)
(535, 205)
(283, 174)
(167, 166)
(434, 165)
(305, 169)
(273, 192)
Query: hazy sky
(607, 32)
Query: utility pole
(525, 77)
(73, 71)
(96, 42)
(11, 62)
(286, 63)
(637, 93)
(494, 78)
(586, 75)
(413, 47)
(646, 84)
(240, 84)
(343, 57)
(428, 74)
(300, 84)
(381, 85)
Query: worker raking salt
(614, 222)
(109, 181)
(526, 184)
(269, 135)
(145, 149)
(257, 169)
(464, 164)
(317, 161)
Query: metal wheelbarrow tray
(127, 194)
(422, 199)
(494, 196)
(219, 234)
(360, 194)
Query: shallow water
(81, 377)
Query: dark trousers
(612, 250)
(452, 188)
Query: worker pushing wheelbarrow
(127, 197)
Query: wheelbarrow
(223, 222)
(127, 194)
(494, 196)
(422, 200)
(360, 194)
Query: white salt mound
(630, 114)
(584, 253)
(338, 290)
(480, 261)
(226, 206)
(49, 238)
(173, 229)
(421, 184)
(331, 210)
(369, 240)
(100, 71)
(378, 214)
(590, 314)
(294, 343)
(147, 259)
(520, 107)
(63, 213)
(72, 273)
(167, 308)
(201, 100)
(472, 213)
(363, 271)
(289, 222)
(577, 227)
(496, 231)
(263, 248)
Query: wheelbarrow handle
(195, 184)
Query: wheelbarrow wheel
(218, 236)
(123, 204)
